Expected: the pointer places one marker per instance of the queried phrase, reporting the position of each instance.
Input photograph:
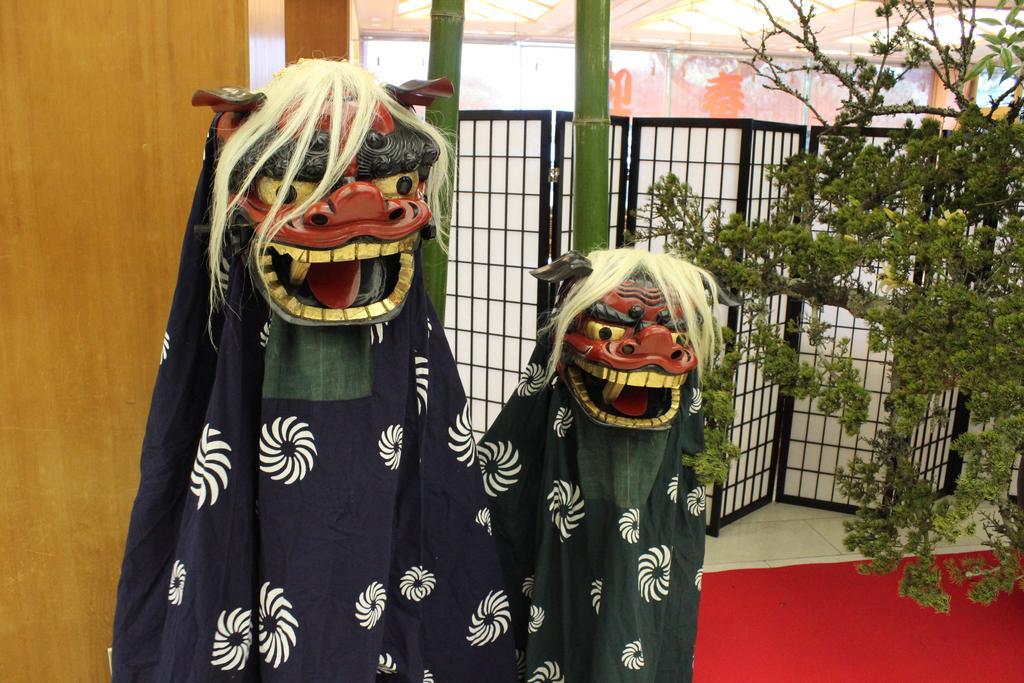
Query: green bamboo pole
(446, 20)
(590, 125)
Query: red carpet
(826, 622)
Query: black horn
(569, 266)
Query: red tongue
(632, 401)
(334, 284)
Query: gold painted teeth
(612, 391)
(618, 379)
(297, 272)
(301, 311)
(358, 251)
(579, 392)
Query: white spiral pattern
(566, 507)
(653, 574)
(673, 489)
(265, 334)
(531, 380)
(499, 463)
(633, 656)
(460, 438)
(370, 605)
(491, 619)
(696, 501)
(377, 333)
(176, 590)
(548, 672)
(698, 578)
(629, 525)
(287, 449)
(390, 446)
(165, 347)
(536, 619)
(416, 584)
(427, 676)
(696, 401)
(595, 595)
(386, 664)
(483, 518)
(210, 469)
(232, 640)
(277, 626)
(422, 373)
(563, 421)
(528, 586)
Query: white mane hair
(299, 95)
(686, 287)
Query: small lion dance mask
(631, 327)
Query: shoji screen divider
(513, 212)
(501, 229)
(724, 161)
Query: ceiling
(845, 26)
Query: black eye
(664, 318)
(404, 185)
(595, 329)
(291, 195)
(635, 311)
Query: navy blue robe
(329, 530)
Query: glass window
(637, 83)
(396, 61)
(548, 78)
(713, 86)
(991, 88)
(641, 82)
(490, 76)
(827, 95)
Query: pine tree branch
(860, 302)
(806, 38)
(866, 83)
(948, 69)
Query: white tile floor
(779, 534)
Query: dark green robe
(601, 536)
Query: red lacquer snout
(652, 346)
(655, 341)
(355, 210)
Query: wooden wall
(317, 28)
(99, 150)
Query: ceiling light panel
(732, 17)
(508, 11)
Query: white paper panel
(492, 300)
